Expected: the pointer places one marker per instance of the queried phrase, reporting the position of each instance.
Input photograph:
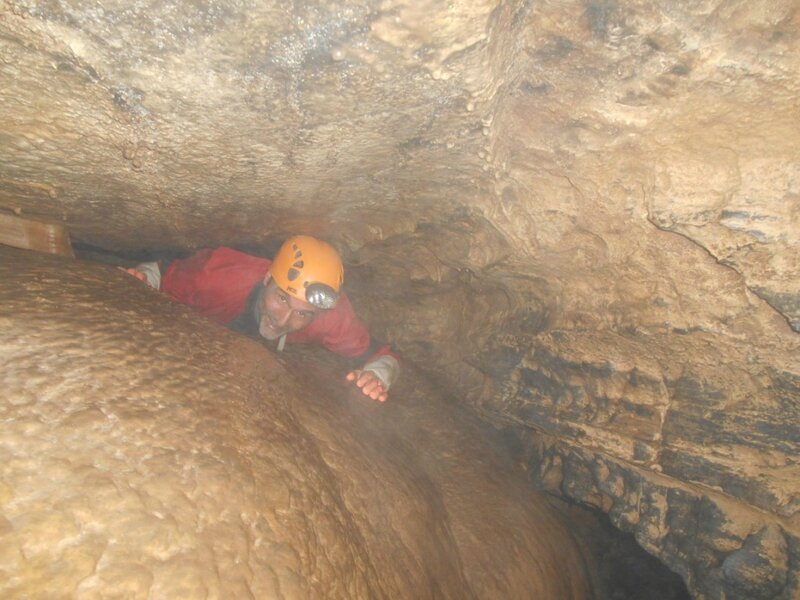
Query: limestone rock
(581, 217)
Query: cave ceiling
(204, 123)
(577, 130)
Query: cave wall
(582, 217)
(672, 247)
(634, 327)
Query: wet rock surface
(580, 217)
(148, 453)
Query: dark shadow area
(626, 570)
(98, 254)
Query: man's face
(279, 313)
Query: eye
(283, 298)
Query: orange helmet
(310, 270)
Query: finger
(379, 394)
(136, 273)
(374, 388)
(352, 375)
(370, 382)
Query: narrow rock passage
(148, 453)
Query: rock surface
(581, 216)
(148, 453)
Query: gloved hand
(146, 272)
(376, 377)
(370, 384)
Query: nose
(282, 318)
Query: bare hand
(136, 273)
(370, 384)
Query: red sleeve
(215, 282)
(385, 350)
(339, 330)
(218, 282)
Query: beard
(266, 329)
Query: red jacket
(218, 282)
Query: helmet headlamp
(310, 270)
(321, 295)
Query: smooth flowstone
(148, 453)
